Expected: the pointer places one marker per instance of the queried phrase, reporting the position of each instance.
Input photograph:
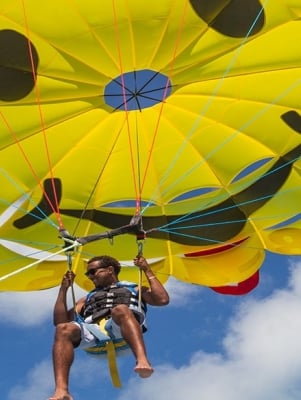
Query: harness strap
(108, 348)
(111, 356)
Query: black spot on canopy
(293, 120)
(234, 18)
(17, 70)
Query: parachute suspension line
(249, 122)
(96, 184)
(18, 143)
(138, 194)
(55, 206)
(272, 171)
(140, 254)
(200, 117)
(135, 183)
(51, 255)
(118, 47)
(190, 217)
(17, 205)
(139, 187)
(69, 262)
(140, 237)
(177, 43)
(221, 145)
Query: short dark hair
(107, 261)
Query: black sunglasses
(92, 271)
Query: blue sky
(203, 345)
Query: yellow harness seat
(108, 346)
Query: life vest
(100, 301)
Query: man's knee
(68, 331)
(121, 311)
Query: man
(125, 317)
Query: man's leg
(131, 332)
(66, 336)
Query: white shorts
(94, 339)
(91, 334)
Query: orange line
(54, 207)
(181, 25)
(17, 142)
(117, 35)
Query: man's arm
(155, 295)
(60, 312)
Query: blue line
(201, 115)
(23, 193)
(186, 217)
(192, 236)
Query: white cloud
(181, 293)
(37, 386)
(39, 382)
(261, 358)
(38, 306)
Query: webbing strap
(111, 356)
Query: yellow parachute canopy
(186, 113)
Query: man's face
(100, 276)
